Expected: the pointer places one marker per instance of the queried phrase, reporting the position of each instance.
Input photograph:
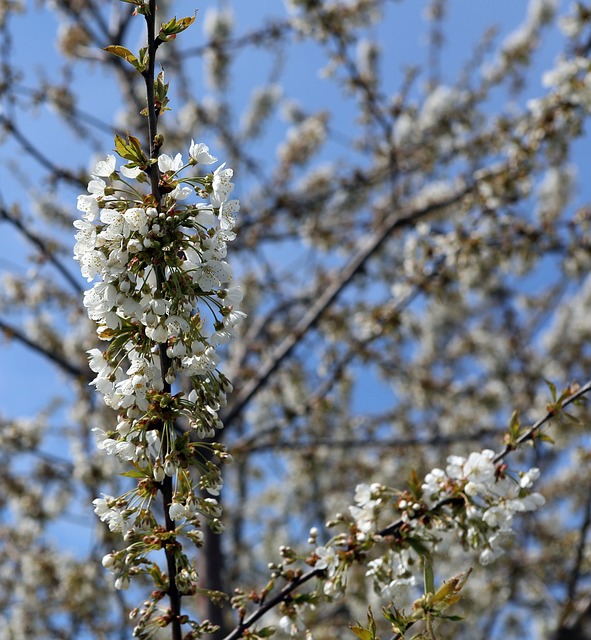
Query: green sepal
(141, 8)
(160, 96)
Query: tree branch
(12, 332)
(528, 435)
(273, 602)
(43, 248)
(406, 218)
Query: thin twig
(529, 434)
(391, 529)
(267, 605)
(353, 443)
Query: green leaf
(160, 93)
(143, 58)
(304, 598)
(415, 484)
(360, 632)
(514, 425)
(266, 632)
(131, 150)
(169, 30)
(127, 55)
(418, 546)
(398, 619)
(134, 473)
(552, 388)
(448, 592)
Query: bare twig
(530, 433)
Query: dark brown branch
(13, 332)
(273, 602)
(391, 529)
(249, 443)
(43, 160)
(43, 248)
(166, 487)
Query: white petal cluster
(474, 496)
(367, 503)
(491, 495)
(392, 574)
(162, 301)
(123, 241)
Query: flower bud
(109, 561)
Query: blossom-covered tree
(386, 338)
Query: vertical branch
(149, 76)
(166, 486)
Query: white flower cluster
(492, 497)
(157, 259)
(475, 496)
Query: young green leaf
(128, 56)
(169, 30)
